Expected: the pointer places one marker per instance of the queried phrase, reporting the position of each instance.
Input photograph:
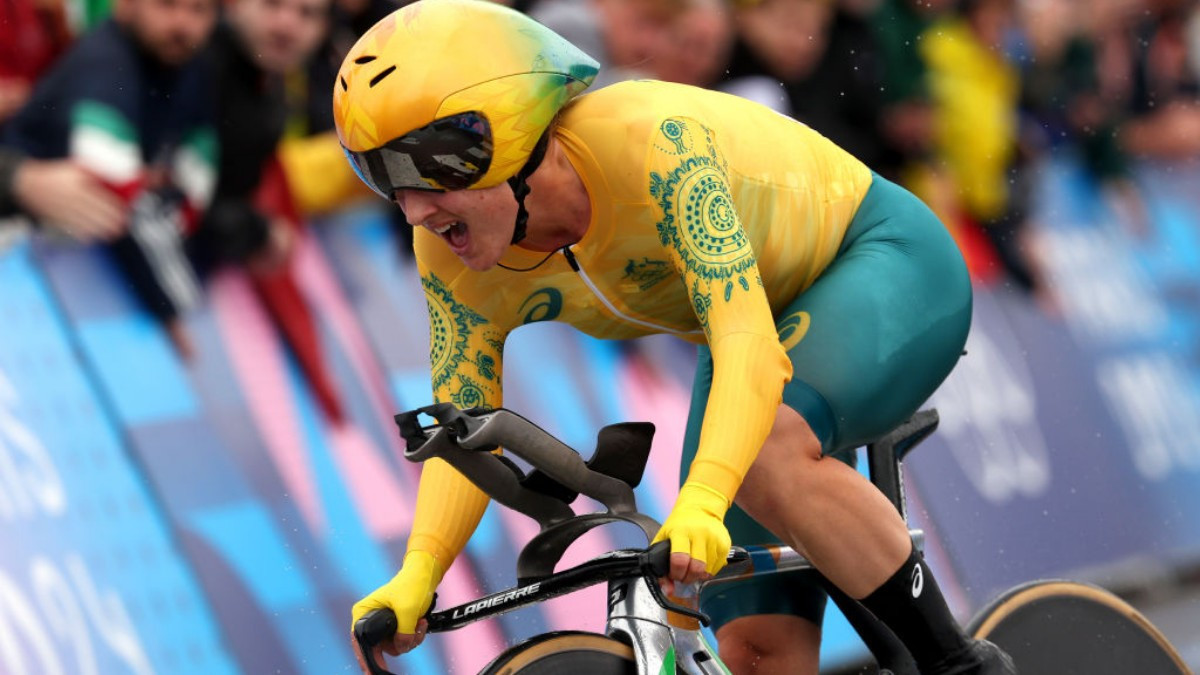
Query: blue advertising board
(91, 578)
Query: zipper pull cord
(570, 258)
(566, 251)
(527, 269)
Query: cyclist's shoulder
(624, 131)
(640, 116)
(634, 103)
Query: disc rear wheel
(1070, 628)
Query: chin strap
(520, 187)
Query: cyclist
(827, 303)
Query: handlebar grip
(374, 628)
(659, 558)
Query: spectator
(826, 60)
(698, 45)
(130, 103)
(32, 34)
(1193, 41)
(253, 219)
(975, 92)
(262, 41)
(1073, 99)
(906, 115)
(40, 189)
(1164, 106)
(625, 36)
(321, 178)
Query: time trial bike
(1049, 627)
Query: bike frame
(664, 634)
(664, 640)
(634, 616)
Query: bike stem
(664, 641)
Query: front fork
(665, 643)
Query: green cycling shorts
(881, 328)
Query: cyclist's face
(477, 225)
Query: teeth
(444, 228)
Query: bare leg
(824, 508)
(856, 538)
(770, 644)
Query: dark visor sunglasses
(451, 153)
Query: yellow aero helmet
(452, 94)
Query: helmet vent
(388, 71)
(344, 87)
(364, 59)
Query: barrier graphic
(91, 579)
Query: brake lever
(655, 563)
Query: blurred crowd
(189, 135)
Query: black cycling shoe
(979, 658)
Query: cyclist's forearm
(448, 510)
(749, 371)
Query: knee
(740, 657)
(767, 644)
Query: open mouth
(455, 235)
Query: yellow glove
(408, 594)
(696, 526)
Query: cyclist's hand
(400, 644)
(699, 541)
(409, 595)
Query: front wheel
(573, 652)
(1069, 628)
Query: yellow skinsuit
(701, 229)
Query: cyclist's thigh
(792, 593)
(869, 341)
(882, 326)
